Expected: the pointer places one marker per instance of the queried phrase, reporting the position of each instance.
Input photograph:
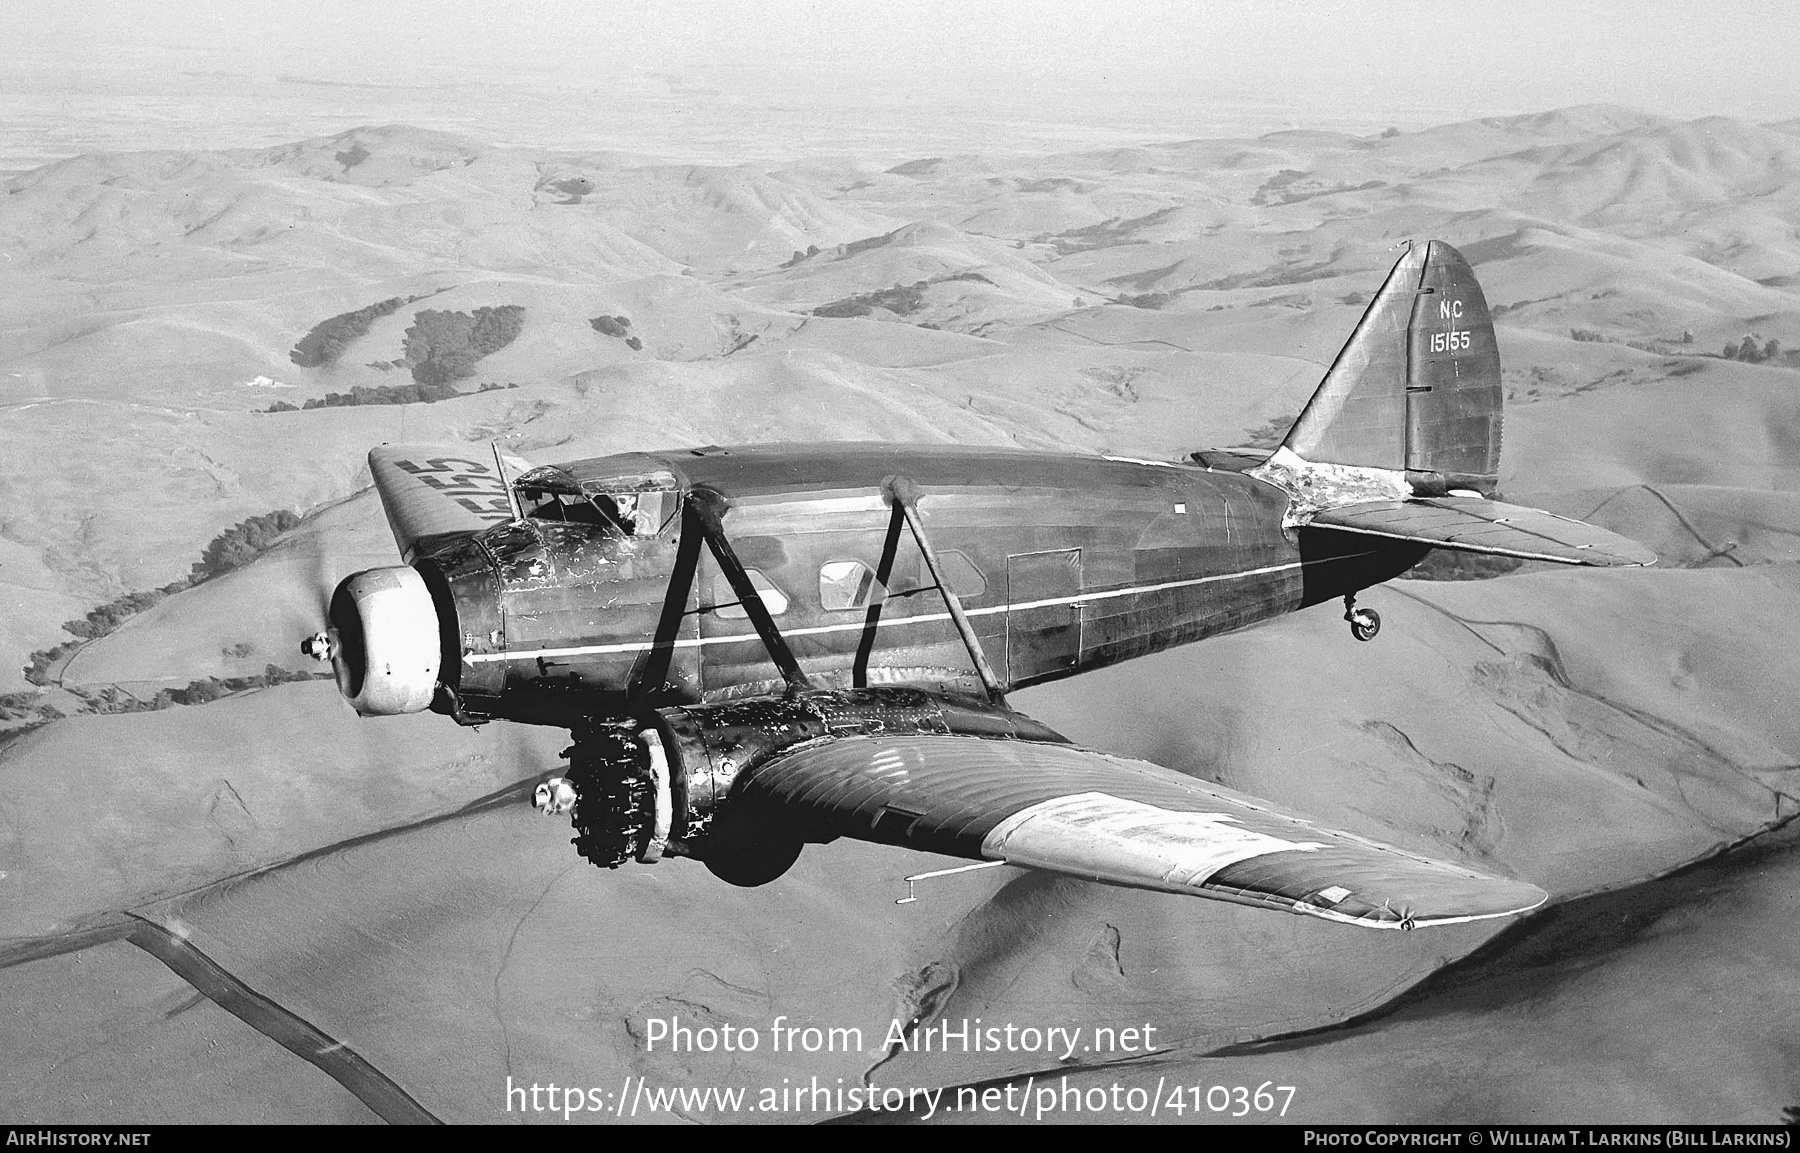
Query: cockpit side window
(647, 513)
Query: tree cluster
(112, 614)
(242, 543)
(394, 394)
(901, 300)
(616, 326)
(19, 706)
(443, 346)
(197, 692)
(1752, 353)
(201, 692)
(326, 342)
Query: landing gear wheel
(1364, 623)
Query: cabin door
(1042, 637)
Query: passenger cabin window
(960, 573)
(726, 599)
(845, 585)
(848, 586)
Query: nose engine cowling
(384, 641)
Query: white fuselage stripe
(886, 622)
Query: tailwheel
(1364, 623)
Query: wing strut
(903, 495)
(704, 504)
(654, 676)
(884, 569)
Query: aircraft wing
(1121, 821)
(433, 492)
(1470, 524)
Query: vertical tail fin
(1417, 388)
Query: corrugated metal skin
(946, 794)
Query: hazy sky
(1685, 59)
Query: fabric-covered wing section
(1474, 525)
(431, 493)
(1121, 821)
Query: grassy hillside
(1588, 731)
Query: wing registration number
(471, 484)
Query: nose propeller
(322, 645)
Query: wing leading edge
(1123, 822)
(434, 492)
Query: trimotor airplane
(760, 647)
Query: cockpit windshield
(629, 505)
(599, 510)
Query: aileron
(1123, 822)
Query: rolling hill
(381, 880)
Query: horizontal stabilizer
(1121, 821)
(1469, 524)
(434, 492)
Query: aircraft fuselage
(1062, 564)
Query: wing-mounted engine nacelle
(384, 641)
(671, 787)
